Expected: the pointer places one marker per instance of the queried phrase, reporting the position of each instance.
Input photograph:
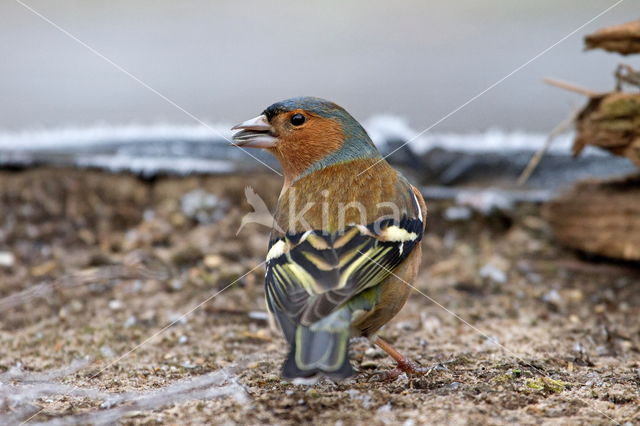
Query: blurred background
(224, 61)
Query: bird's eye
(297, 119)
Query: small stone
(493, 273)
(213, 261)
(7, 259)
(115, 305)
(575, 295)
(177, 219)
(148, 316)
(386, 408)
(186, 256)
(76, 306)
(407, 325)
(259, 315)
(374, 353)
(369, 365)
(313, 393)
(203, 207)
(176, 284)
(107, 352)
(552, 296)
(183, 339)
(130, 322)
(458, 213)
(176, 318)
(492, 341)
(87, 236)
(149, 214)
(44, 268)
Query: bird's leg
(403, 364)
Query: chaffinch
(346, 238)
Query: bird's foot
(405, 366)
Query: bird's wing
(310, 274)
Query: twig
(537, 157)
(571, 87)
(626, 74)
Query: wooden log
(623, 39)
(612, 122)
(599, 217)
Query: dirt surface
(115, 305)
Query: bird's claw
(408, 367)
(385, 376)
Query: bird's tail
(321, 348)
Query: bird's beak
(255, 133)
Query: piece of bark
(612, 122)
(623, 39)
(599, 217)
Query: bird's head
(306, 134)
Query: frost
(21, 390)
(150, 150)
(133, 268)
(387, 128)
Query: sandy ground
(115, 306)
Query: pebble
(313, 393)
(149, 214)
(107, 352)
(7, 259)
(552, 296)
(386, 408)
(369, 364)
(430, 323)
(115, 305)
(373, 353)
(177, 318)
(259, 315)
(176, 284)
(130, 322)
(44, 268)
(493, 273)
(213, 261)
(492, 341)
(458, 213)
(76, 306)
(407, 325)
(203, 207)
